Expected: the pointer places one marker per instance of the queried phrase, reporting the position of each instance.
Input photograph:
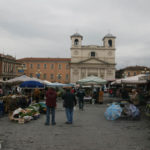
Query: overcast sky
(42, 28)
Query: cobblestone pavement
(90, 131)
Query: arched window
(76, 42)
(92, 54)
(110, 43)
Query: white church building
(87, 60)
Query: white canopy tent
(46, 82)
(117, 81)
(22, 79)
(92, 80)
(138, 79)
(57, 84)
(19, 79)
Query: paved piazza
(90, 131)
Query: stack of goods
(25, 115)
(42, 107)
(113, 112)
(122, 110)
(13, 102)
(130, 111)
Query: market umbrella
(19, 79)
(32, 84)
(91, 80)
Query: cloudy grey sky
(42, 28)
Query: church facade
(87, 60)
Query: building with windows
(87, 60)
(132, 71)
(8, 65)
(50, 69)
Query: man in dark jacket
(50, 104)
(80, 96)
(69, 103)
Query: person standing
(80, 96)
(50, 105)
(1, 91)
(36, 95)
(101, 93)
(69, 103)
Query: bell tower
(109, 41)
(76, 40)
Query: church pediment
(93, 61)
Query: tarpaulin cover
(113, 112)
(132, 110)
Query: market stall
(27, 114)
(11, 102)
(96, 84)
(133, 88)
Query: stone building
(50, 69)
(132, 71)
(8, 65)
(87, 60)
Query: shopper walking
(80, 96)
(50, 105)
(69, 103)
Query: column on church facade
(79, 73)
(105, 74)
(99, 72)
(86, 72)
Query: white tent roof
(141, 78)
(92, 80)
(19, 79)
(46, 82)
(138, 79)
(117, 81)
(22, 79)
